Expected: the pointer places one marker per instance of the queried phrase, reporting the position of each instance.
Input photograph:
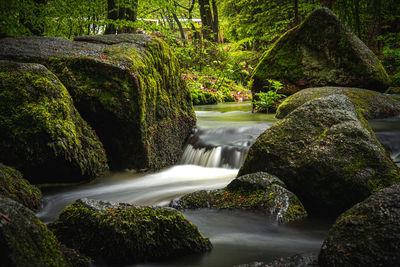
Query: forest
(200, 132)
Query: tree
(209, 19)
(121, 15)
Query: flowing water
(210, 161)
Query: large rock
(24, 239)
(372, 105)
(14, 186)
(41, 133)
(127, 87)
(123, 234)
(259, 192)
(368, 234)
(326, 153)
(321, 51)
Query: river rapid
(211, 160)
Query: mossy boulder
(24, 239)
(14, 186)
(122, 233)
(321, 51)
(127, 87)
(259, 192)
(326, 153)
(41, 132)
(371, 104)
(368, 234)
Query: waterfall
(221, 156)
(222, 147)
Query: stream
(211, 160)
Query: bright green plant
(268, 101)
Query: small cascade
(391, 142)
(387, 131)
(222, 147)
(222, 156)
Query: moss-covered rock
(122, 233)
(321, 51)
(127, 87)
(326, 153)
(259, 192)
(368, 234)
(41, 133)
(14, 186)
(24, 239)
(372, 105)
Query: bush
(270, 100)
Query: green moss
(126, 94)
(321, 51)
(256, 192)
(371, 104)
(25, 240)
(14, 186)
(42, 129)
(122, 233)
(326, 153)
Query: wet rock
(128, 87)
(259, 192)
(299, 260)
(326, 153)
(368, 234)
(41, 132)
(14, 186)
(122, 233)
(25, 240)
(372, 105)
(321, 51)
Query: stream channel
(210, 161)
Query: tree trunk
(196, 34)
(129, 12)
(357, 17)
(112, 14)
(179, 25)
(122, 10)
(296, 12)
(203, 16)
(215, 23)
(208, 22)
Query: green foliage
(374, 21)
(207, 89)
(52, 18)
(268, 101)
(391, 61)
(256, 23)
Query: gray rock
(372, 105)
(319, 52)
(24, 239)
(260, 192)
(326, 153)
(41, 132)
(122, 233)
(368, 234)
(127, 87)
(14, 186)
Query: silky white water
(210, 161)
